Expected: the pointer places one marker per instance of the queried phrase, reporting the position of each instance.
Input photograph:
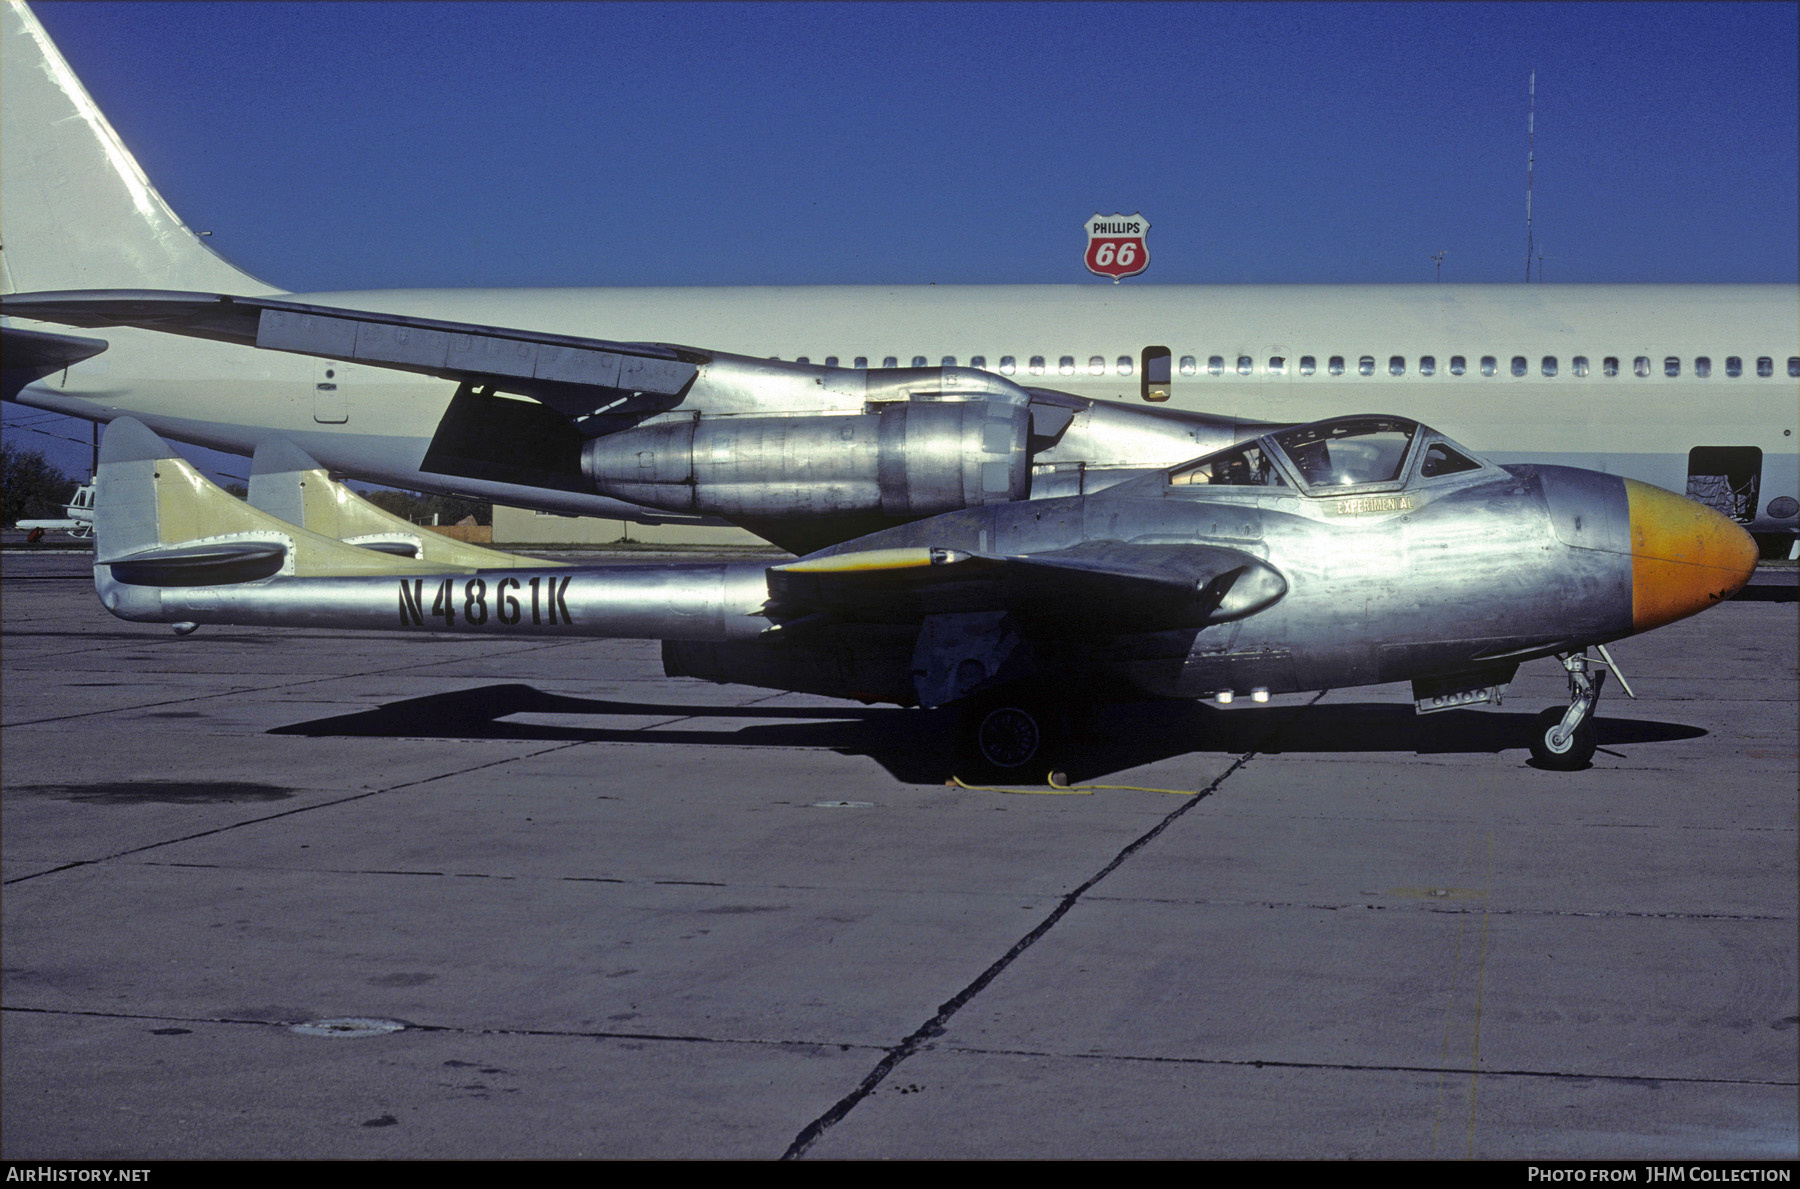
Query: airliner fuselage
(1631, 379)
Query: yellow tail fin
(285, 481)
(155, 513)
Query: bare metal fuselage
(1427, 578)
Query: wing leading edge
(571, 374)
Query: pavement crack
(510, 759)
(270, 817)
(1445, 909)
(936, 1025)
(463, 1030)
(1367, 1067)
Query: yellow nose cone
(1685, 557)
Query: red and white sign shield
(1117, 246)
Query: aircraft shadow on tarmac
(1767, 592)
(149, 639)
(158, 792)
(919, 747)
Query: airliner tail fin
(76, 210)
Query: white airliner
(1690, 387)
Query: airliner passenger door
(1155, 371)
(1727, 479)
(329, 404)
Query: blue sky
(362, 145)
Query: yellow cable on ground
(1129, 788)
(1066, 790)
(1053, 790)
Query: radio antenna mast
(1530, 167)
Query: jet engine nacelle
(903, 458)
(802, 454)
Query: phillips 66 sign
(1116, 246)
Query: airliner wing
(573, 375)
(1102, 586)
(29, 355)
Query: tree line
(31, 486)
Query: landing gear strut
(1563, 740)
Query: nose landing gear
(1563, 740)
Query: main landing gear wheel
(1561, 754)
(1010, 738)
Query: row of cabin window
(1365, 366)
(1009, 364)
(1548, 365)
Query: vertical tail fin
(286, 482)
(76, 211)
(160, 522)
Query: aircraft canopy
(1325, 457)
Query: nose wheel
(1563, 740)
(1559, 750)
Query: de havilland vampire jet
(882, 405)
(1346, 552)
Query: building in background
(522, 526)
